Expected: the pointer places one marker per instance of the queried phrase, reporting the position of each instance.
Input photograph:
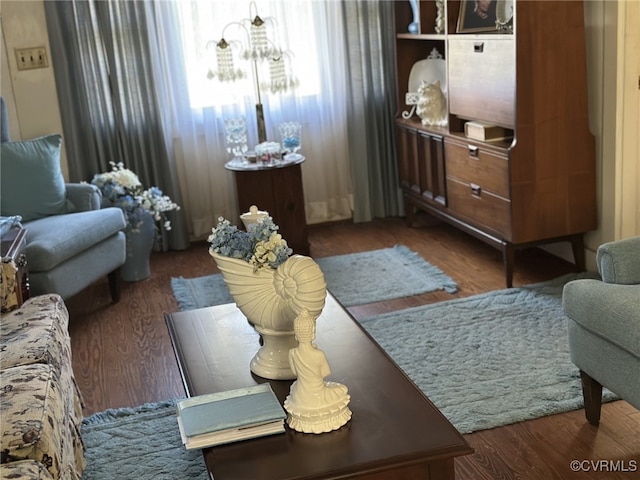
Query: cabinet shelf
(415, 123)
(421, 36)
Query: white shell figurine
(271, 299)
(313, 404)
(432, 104)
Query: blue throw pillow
(31, 179)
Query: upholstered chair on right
(604, 326)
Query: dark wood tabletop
(395, 432)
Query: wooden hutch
(529, 77)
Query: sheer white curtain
(196, 108)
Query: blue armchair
(71, 241)
(604, 326)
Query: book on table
(231, 416)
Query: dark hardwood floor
(122, 354)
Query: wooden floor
(122, 355)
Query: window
(203, 23)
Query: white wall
(614, 103)
(30, 94)
(627, 165)
(613, 43)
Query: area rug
(354, 279)
(141, 443)
(488, 360)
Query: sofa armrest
(84, 196)
(619, 261)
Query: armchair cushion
(55, 239)
(619, 261)
(32, 182)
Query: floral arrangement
(122, 188)
(261, 245)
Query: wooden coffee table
(395, 432)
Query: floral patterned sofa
(40, 403)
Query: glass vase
(290, 136)
(236, 138)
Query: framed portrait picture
(477, 16)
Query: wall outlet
(29, 58)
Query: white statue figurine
(313, 404)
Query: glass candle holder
(290, 135)
(236, 137)
(268, 153)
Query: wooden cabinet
(536, 186)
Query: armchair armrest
(619, 261)
(84, 196)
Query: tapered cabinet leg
(508, 258)
(409, 210)
(592, 393)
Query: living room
(115, 377)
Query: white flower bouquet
(122, 188)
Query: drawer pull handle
(478, 47)
(473, 151)
(476, 190)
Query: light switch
(29, 58)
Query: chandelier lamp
(258, 47)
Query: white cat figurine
(432, 104)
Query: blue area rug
(354, 279)
(141, 443)
(488, 360)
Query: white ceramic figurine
(432, 104)
(313, 404)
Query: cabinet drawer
(482, 79)
(480, 207)
(472, 163)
